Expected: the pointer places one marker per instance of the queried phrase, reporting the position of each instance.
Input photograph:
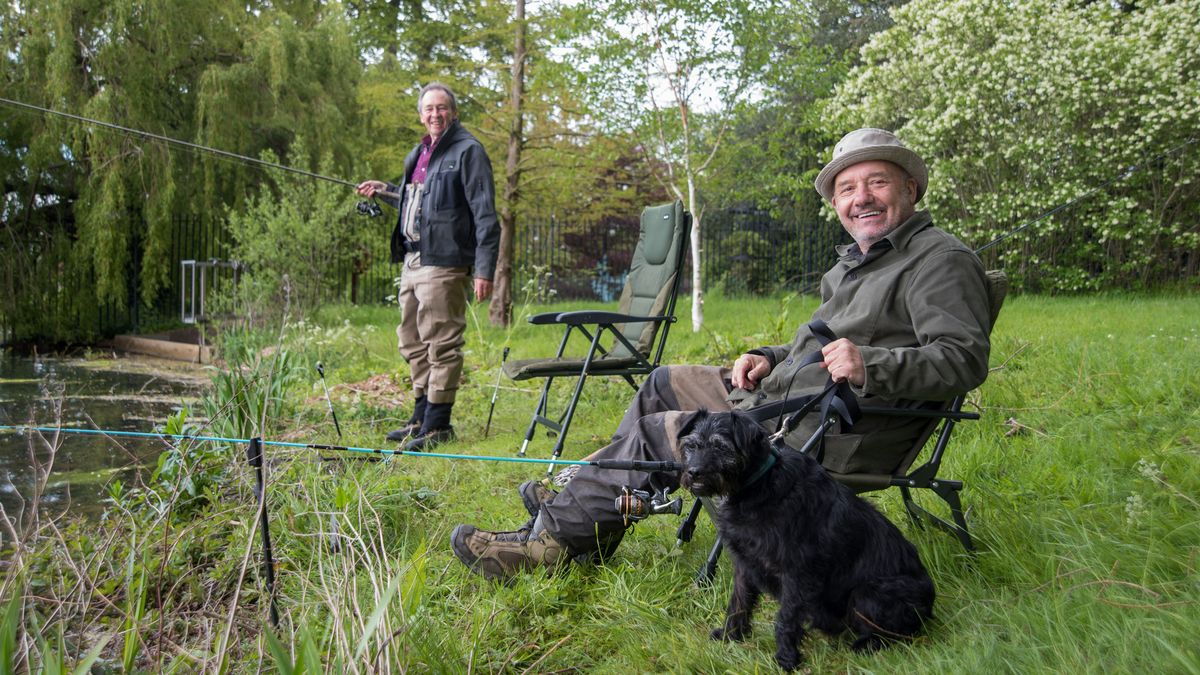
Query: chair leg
(947, 490)
(688, 526)
(709, 570)
(914, 511)
(539, 413)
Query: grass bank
(1082, 482)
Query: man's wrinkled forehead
(867, 170)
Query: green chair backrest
(653, 280)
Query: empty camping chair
(638, 328)
(905, 477)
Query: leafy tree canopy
(1023, 106)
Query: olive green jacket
(917, 308)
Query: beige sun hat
(869, 144)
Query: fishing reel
(635, 505)
(369, 208)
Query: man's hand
(483, 288)
(368, 188)
(749, 369)
(844, 361)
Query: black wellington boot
(435, 429)
(412, 426)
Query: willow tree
(245, 77)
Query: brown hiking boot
(533, 494)
(501, 555)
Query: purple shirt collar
(422, 167)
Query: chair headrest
(658, 229)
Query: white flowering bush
(1023, 106)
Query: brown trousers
(583, 516)
(433, 321)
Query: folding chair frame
(593, 325)
(603, 322)
(924, 477)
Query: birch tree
(671, 76)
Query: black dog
(829, 557)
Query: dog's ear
(693, 421)
(747, 433)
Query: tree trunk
(697, 284)
(500, 310)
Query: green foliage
(777, 144)
(249, 396)
(1020, 107)
(185, 479)
(135, 605)
(1080, 485)
(292, 93)
(10, 625)
(298, 240)
(86, 207)
(737, 272)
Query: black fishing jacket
(458, 223)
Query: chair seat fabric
(525, 369)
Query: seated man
(909, 305)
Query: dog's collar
(762, 469)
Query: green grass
(1082, 487)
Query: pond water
(125, 394)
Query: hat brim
(900, 156)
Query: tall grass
(1082, 483)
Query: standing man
(447, 228)
(910, 304)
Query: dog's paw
(788, 659)
(867, 643)
(729, 633)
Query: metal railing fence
(742, 252)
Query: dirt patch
(385, 391)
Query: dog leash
(836, 398)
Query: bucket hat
(869, 144)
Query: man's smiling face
(872, 199)
(437, 112)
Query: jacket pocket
(448, 191)
(844, 453)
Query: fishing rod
(328, 401)
(254, 456)
(1129, 171)
(366, 208)
(617, 464)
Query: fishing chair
(905, 477)
(639, 327)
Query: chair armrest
(544, 318)
(594, 316)
(919, 412)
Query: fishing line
(635, 465)
(188, 145)
(175, 141)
